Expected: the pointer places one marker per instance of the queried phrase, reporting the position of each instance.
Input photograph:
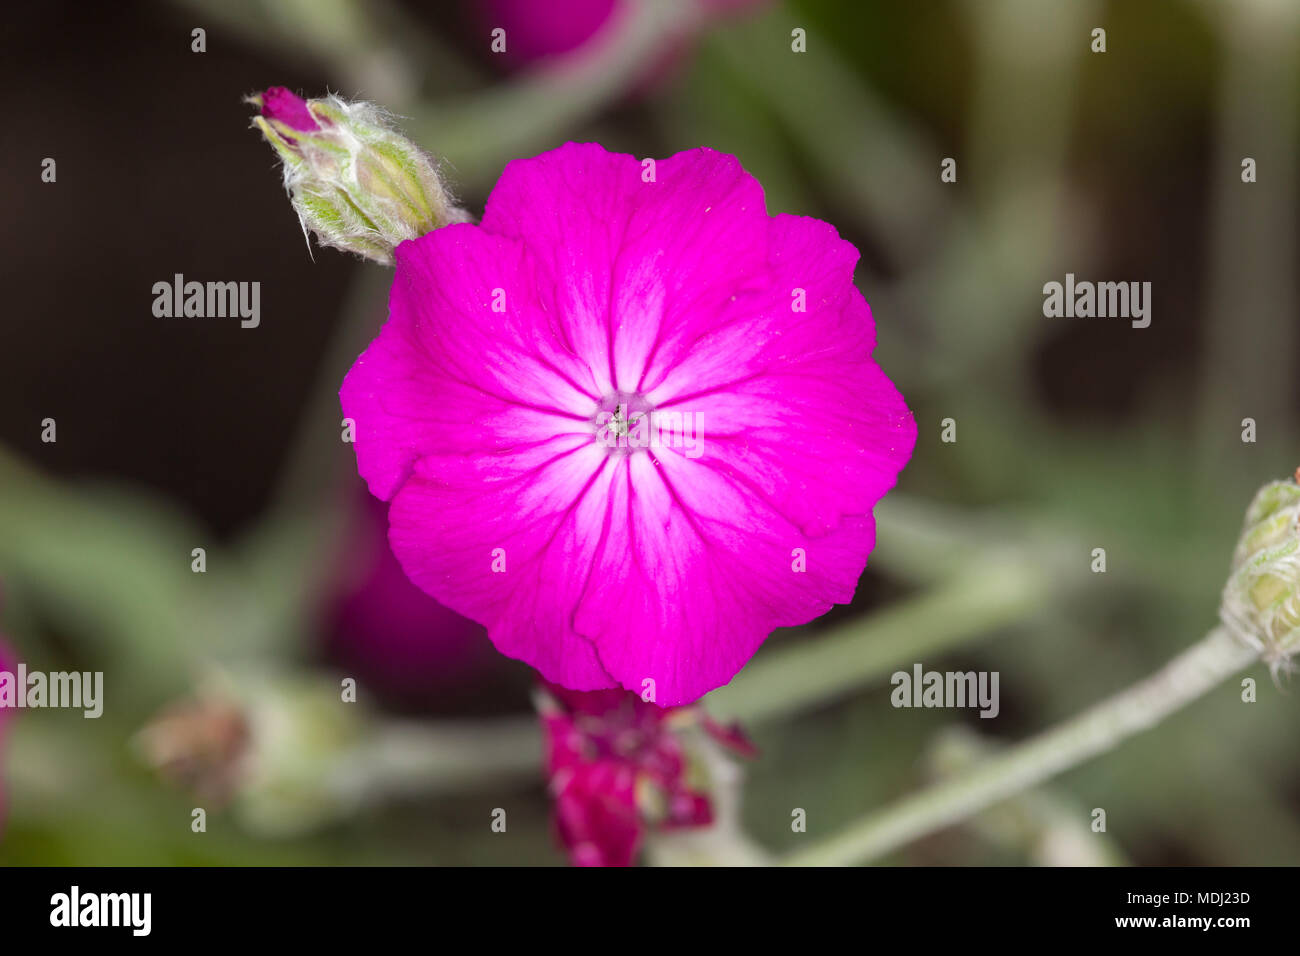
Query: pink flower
(388, 632)
(618, 768)
(280, 104)
(537, 31)
(505, 408)
(534, 32)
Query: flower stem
(420, 757)
(977, 602)
(1189, 675)
(478, 133)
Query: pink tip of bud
(287, 107)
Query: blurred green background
(1072, 434)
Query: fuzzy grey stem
(1189, 675)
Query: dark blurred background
(1073, 434)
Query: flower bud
(1261, 601)
(281, 752)
(355, 182)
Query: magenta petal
(596, 815)
(625, 262)
(287, 107)
(448, 374)
(796, 406)
(699, 572)
(507, 540)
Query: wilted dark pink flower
(630, 423)
(287, 107)
(618, 768)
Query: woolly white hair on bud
(1261, 601)
(355, 182)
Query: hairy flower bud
(279, 751)
(1261, 601)
(355, 182)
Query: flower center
(623, 422)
